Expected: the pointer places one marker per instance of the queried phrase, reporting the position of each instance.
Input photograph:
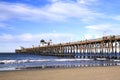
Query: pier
(107, 47)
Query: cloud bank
(58, 10)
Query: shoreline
(54, 67)
(82, 73)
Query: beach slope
(84, 73)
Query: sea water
(14, 61)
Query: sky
(26, 22)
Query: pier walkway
(107, 47)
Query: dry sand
(86, 73)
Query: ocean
(14, 61)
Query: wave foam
(43, 60)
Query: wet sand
(84, 73)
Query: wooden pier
(107, 47)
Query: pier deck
(106, 47)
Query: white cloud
(54, 0)
(78, 1)
(73, 10)
(86, 1)
(116, 17)
(27, 37)
(96, 31)
(57, 11)
(19, 11)
(99, 27)
(25, 12)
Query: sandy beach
(84, 73)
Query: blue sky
(26, 22)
